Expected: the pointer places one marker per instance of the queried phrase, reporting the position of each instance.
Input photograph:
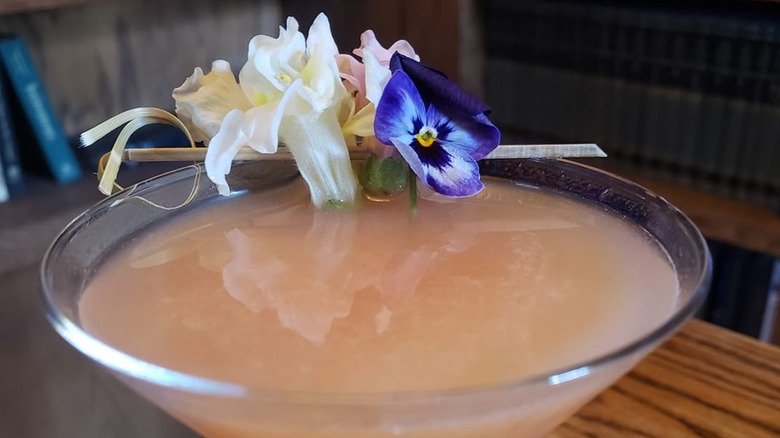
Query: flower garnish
(301, 93)
(365, 79)
(288, 90)
(438, 128)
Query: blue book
(9, 153)
(46, 129)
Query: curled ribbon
(133, 120)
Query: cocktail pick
(132, 120)
(513, 151)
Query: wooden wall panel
(431, 26)
(103, 57)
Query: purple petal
(398, 109)
(448, 171)
(434, 87)
(460, 177)
(476, 136)
(396, 63)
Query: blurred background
(685, 99)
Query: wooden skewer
(247, 154)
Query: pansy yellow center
(426, 136)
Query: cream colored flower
(367, 80)
(288, 90)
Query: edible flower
(299, 92)
(365, 75)
(437, 127)
(365, 78)
(288, 90)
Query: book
(743, 294)
(754, 291)
(9, 154)
(3, 188)
(772, 306)
(31, 96)
(729, 263)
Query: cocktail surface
(266, 291)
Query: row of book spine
(725, 55)
(729, 145)
(696, 94)
(31, 137)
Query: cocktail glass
(526, 408)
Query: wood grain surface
(704, 382)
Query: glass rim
(128, 365)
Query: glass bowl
(526, 408)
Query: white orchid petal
(203, 101)
(377, 77)
(291, 88)
(403, 47)
(369, 43)
(184, 111)
(257, 128)
(223, 147)
(261, 124)
(371, 79)
(321, 74)
(272, 64)
(320, 38)
(272, 56)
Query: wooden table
(703, 382)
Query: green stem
(412, 195)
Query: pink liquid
(269, 293)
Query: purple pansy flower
(437, 127)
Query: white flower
(203, 101)
(376, 60)
(289, 89)
(367, 80)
